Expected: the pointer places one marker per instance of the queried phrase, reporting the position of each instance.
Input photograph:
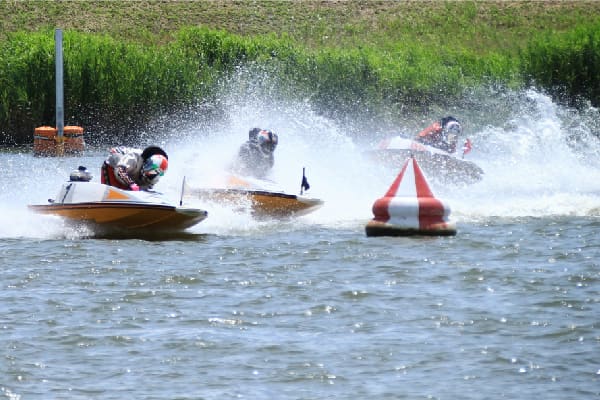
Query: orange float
(47, 142)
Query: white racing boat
(108, 207)
(437, 164)
(264, 197)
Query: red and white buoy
(410, 208)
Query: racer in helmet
(253, 133)
(255, 157)
(153, 168)
(133, 169)
(442, 134)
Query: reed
(103, 77)
(566, 64)
(409, 56)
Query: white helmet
(453, 127)
(154, 167)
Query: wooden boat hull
(127, 216)
(437, 164)
(263, 203)
(109, 207)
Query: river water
(311, 308)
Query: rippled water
(506, 309)
(311, 308)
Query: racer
(442, 134)
(133, 169)
(255, 157)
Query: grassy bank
(129, 61)
(484, 26)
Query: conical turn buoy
(410, 208)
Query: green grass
(128, 61)
(478, 25)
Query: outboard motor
(81, 174)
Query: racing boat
(438, 164)
(110, 208)
(262, 196)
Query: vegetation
(127, 62)
(566, 64)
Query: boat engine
(81, 174)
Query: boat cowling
(81, 174)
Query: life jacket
(432, 132)
(107, 177)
